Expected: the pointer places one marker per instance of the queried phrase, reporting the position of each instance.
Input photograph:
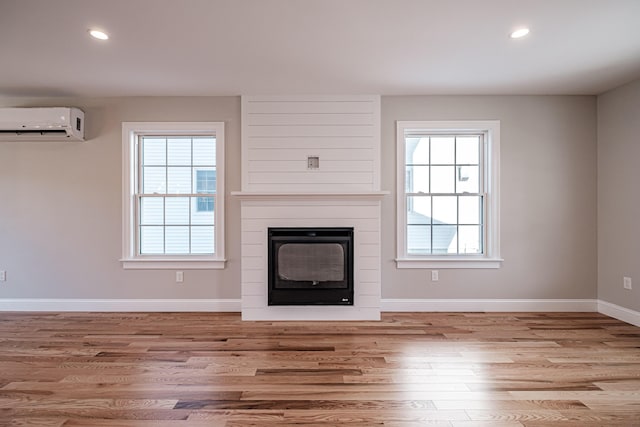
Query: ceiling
(258, 47)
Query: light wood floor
(410, 369)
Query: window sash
(189, 223)
(455, 164)
(431, 225)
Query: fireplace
(310, 266)
(310, 162)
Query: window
(448, 201)
(174, 195)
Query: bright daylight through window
(448, 194)
(173, 205)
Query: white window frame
(490, 258)
(131, 131)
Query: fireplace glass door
(310, 266)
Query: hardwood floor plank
(122, 415)
(492, 423)
(37, 422)
(332, 405)
(501, 405)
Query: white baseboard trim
(496, 305)
(620, 313)
(390, 305)
(120, 305)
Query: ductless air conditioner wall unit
(41, 124)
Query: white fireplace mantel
(262, 195)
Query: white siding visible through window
(174, 203)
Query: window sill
(453, 262)
(172, 264)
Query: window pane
(418, 210)
(154, 151)
(177, 240)
(442, 150)
(417, 151)
(204, 151)
(179, 180)
(202, 210)
(202, 240)
(151, 210)
(445, 210)
(179, 151)
(177, 210)
(468, 150)
(467, 179)
(154, 180)
(470, 239)
(470, 210)
(442, 179)
(417, 179)
(418, 239)
(151, 240)
(444, 239)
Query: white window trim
(491, 257)
(130, 131)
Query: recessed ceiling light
(100, 35)
(521, 32)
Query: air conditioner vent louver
(35, 132)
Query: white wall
(60, 205)
(619, 195)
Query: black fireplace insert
(310, 266)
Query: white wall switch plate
(626, 282)
(435, 276)
(3, 276)
(179, 276)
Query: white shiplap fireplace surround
(279, 189)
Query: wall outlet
(626, 282)
(435, 276)
(179, 276)
(3, 276)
